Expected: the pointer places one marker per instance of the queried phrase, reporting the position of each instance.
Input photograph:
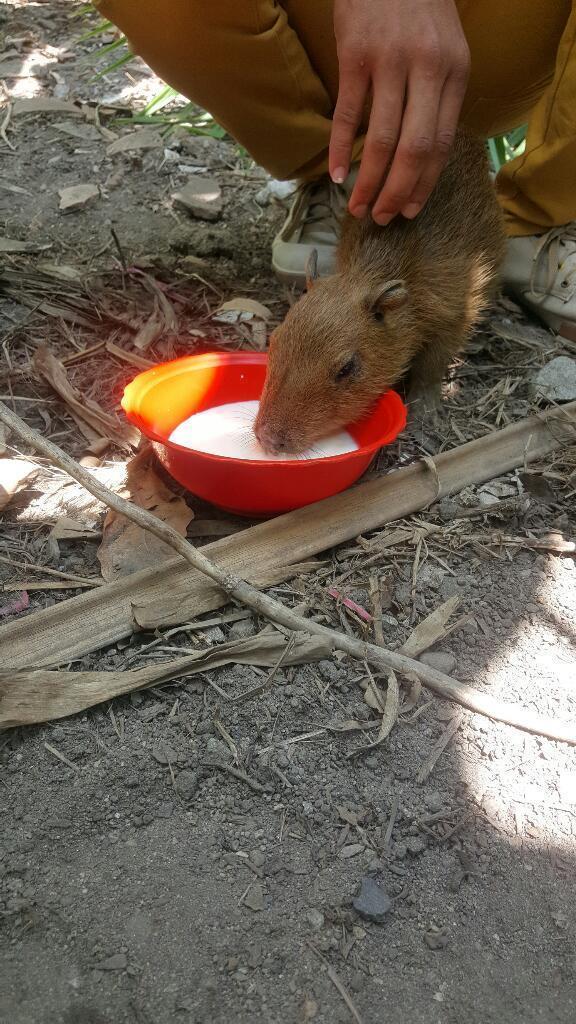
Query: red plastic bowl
(159, 399)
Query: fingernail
(411, 210)
(339, 176)
(359, 211)
(383, 219)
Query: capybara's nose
(273, 440)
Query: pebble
(352, 850)
(258, 858)
(216, 749)
(163, 753)
(186, 784)
(440, 660)
(255, 898)
(433, 801)
(372, 902)
(415, 844)
(201, 197)
(315, 918)
(243, 629)
(118, 962)
(557, 380)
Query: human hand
(413, 57)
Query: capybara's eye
(349, 369)
(378, 315)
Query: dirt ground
(140, 881)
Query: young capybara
(403, 300)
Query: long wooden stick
(268, 607)
(174, 592)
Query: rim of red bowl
(237, 358)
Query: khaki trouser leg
(268, 73)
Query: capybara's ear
(388, 296)
(312, 268)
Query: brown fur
(444, 264)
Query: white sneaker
(540, 271)
(312, 223)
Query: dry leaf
(389, 716)
(138, 140)
(125, 547)
(45, 105)
(13, 473)
(9, 245)
(90, 417)
(128, 357)
(431, 629)
(150, 331)
(75, 197)
(239, 309)
(42, 695)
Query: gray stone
(557, 380)
(164, 753)
(201, 197)
(186, 784)
(243, 629)
(372, 902)
(440, 660)
(315, 918)
(415, 845)
(258, 858)
(118, 962)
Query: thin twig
(242, 592)
(337, 984)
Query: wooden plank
(174, 593)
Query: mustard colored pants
(268, 73)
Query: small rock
(257, 858)
(352, 850)
(436, 938)
(254, 899)
(213, 635)
(557, 380)
(243, 629)
(372, 902)
(433, 801)
(216, 749)
(77, 196)
(163, 753)
(440, 660)
(415, 845)
(118, 962)
(201, 197)
(315, 918)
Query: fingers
(416, 149)
(352, 92)
(450, 106)
(380, 143)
